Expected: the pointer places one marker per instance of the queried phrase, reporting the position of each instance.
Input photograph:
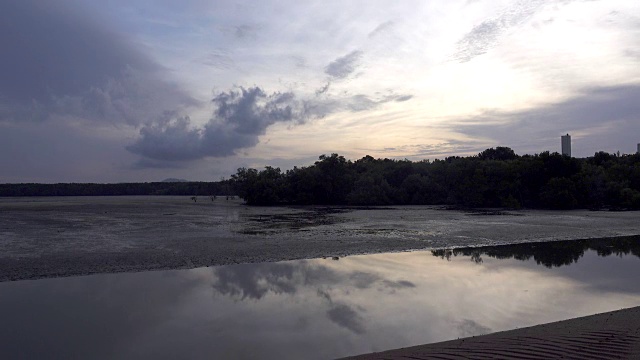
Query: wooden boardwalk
(612, 335)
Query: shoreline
(81, 236)
(59, 266)
(609, 335)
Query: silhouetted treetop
(496, 177)
(499, 153)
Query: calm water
(320, 308)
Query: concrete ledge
(612, 335)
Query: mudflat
(52, 237)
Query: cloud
(398, 284)
(145, 163)
(256, 280)
(436, 150)
(593, 116)
(323, 89)
(632, 53)
(345, 316)
(68, 66)
(240, 117)
(299, 61)
(385, 26)
(133, 97)
(403, 98)
(321, 107)
(363, 280)
(245, 31)
(57, 62)
(487, 34)
(219, 59)
(468, 327)
(360, 103)
(343, 66)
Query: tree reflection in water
(551, 253)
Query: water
(50, 237)
(320, 308)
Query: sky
(143, 90)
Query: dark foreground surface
(53, 237)
(612, 335)
(325, 308)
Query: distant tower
(566, 144)
(638, 148)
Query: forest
(495, 178)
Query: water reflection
(258, 280)
(549, 254)
(315, 308)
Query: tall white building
(566, 144)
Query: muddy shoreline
(56, 237)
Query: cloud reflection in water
(255, 281)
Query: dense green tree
(559, 193)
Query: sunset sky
(113, 91)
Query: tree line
(496, 177)
(92, 189)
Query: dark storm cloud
(43, 42)
(343, 66)
(145, 163)
(58, 61)
(240, 117)
(601, 114)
